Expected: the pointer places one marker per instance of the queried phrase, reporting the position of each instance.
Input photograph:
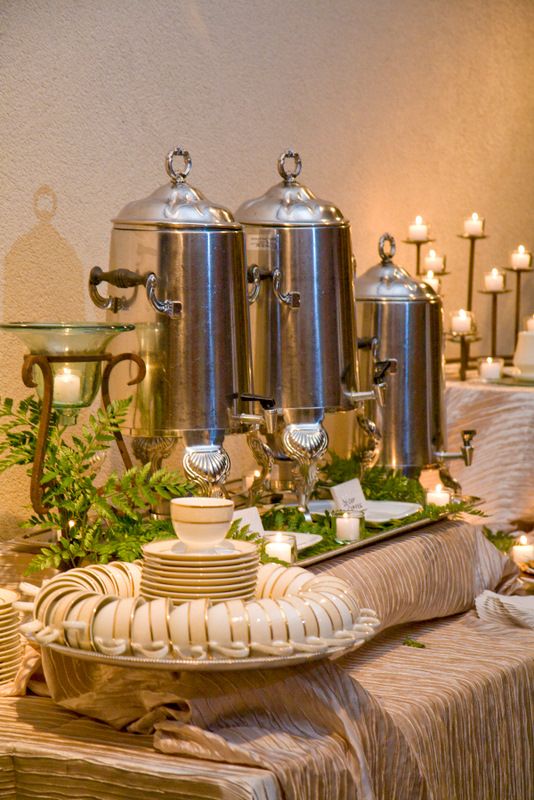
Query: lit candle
(521, 258)
(490, 368)
(461, 322)
(434, 262)
(432, 280)
(523, 552)
(438, 496)
(67, 386)
(418, 231)
(530, 323)
(494, 281)
(281, 546)
(474, 226)
(348, 527)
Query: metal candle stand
(465, 340)
(418, 244)
(518, 273)
(494, 296)
(43, 361)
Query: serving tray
(209, 664)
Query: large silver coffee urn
(180, 259)
(299, 258)
(402, 320)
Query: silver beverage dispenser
(299, 259)
(403, 320)
(180, 258)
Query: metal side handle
(254, 277)
(290, 299)
(126, 279)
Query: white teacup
(201, 522)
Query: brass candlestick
(494, 296)
(418, 244)
(518, 275)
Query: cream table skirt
(450, 721)
(503, 468)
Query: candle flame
(474, 216)
(430, 273)
(257, 473)
(418, 220)
(523, 540)
(71, 523)
(438, 488)
(521, 249)
(495, 272)
(345, 515)
(67, 371)
(489, 360)
(462, 313)
(432, 253)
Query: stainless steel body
(177, 271)
(404, 319)
(303, 317)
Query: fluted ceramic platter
(208, 664)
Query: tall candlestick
(418, 230)
(474, 226)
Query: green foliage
(408, 642)
(338, 470)
(502, 540)
(381, 483)
(94, 523)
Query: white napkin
(348, 495)
(505, 609)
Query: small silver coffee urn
(180, 258)
(402, 320)
(300, 264)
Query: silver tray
(209, 664)
(380, 537)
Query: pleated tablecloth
(502, 471)
(448, 721)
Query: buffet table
(450, 719)
(502, 470)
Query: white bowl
(198, 536)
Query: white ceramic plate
(514, 372)
(171, 550)
(377, 510)
(152, 579)
(304, 540)
(215, 573)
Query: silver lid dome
(175, 205)
(387, 281)
(289, 203)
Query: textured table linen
(502, 471)
(452, 720)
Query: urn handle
(126, 279)
(289, 176)
(254, 277)
(291, 299)
(386, 255)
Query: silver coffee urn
(402, 320)
(301, 270)
(176, 270)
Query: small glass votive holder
(529, 323)
(462, 322)
(438, 496)
(494, 280)
(490, 368)
(349, 525)
(282, 546)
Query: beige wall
(398, 107)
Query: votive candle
(461, 322)
(418, 230)
(67, 385)
(521, 258)
(474, 226)
(490, 369)
(494, 280)
(434, 262)
(523, 552)
(432, 280)
(438, 496)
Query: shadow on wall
(43, 281)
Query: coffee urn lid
(387, 281)
(289, 203)
(175, 205)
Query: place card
(250, 517)
(349, 496)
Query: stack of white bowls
(10, 641)
(227, 573)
